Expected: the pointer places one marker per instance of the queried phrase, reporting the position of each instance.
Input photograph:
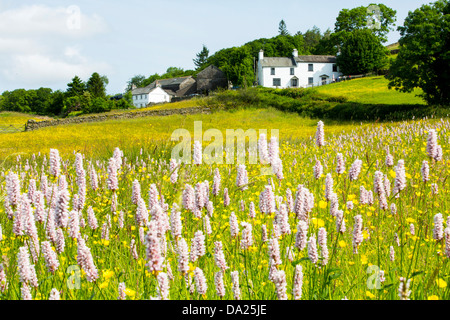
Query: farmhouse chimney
(261, 54)
(133, 86)
(295, 53)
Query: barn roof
(163, 83)
(169, 82)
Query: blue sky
(45, 43)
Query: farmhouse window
(310, 80)
(272, 71)
(335, 69)
(310, 67)
(292, 71)
(294, 82)
(276, 82)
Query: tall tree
(202, 57)
(282, 30)
(95, 86)
(361, 52)
(377, 17)
(137, 81)
(424, 57)
(312, 38)
(76, 87)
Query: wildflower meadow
(356, 214)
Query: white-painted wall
(265, 79)
(157, 95)
(140, 100)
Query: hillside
(371, 90)
(294, 110)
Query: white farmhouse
(143, 96)
(297, 71)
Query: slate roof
(316, 58)
(164, 83)
(144, 90)
(277, 62)
(147, 90)
(292, 62)
(169, 82)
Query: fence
(339, 79)
(11, 128)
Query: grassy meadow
(100, 138)
(371, 90)
(123, 222)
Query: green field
(371, 90)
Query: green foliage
(98, 105)
(424, 57)
(96, 86)
(361, 52)
(236, 63)
(314, 104)
(171, 72)
(57, 103)
(282, 30)
(41, 101)
(312, 38)
(357, 19)
(202, 57)
(75, 88)
(137, 80)
(77, 103)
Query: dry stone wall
(34, 125)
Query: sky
(46, 43)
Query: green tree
(96, 86)
(202, 57)
(137, 80)
(424, 57)
(75, 88)
(173, 72)
(77, 103)
(236, 63)
(312, 38)
(282, 30)
(43, 99)
(19, 100)
(328, 44)
(379, 17)
(57, 103)
(361, 52)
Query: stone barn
(211, 78)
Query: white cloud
(40, 20)
(43, 46)
(37, 68)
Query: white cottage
(297, 71)
(143, 96)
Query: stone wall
(34, 125)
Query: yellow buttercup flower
(342, 244)
(441, 283)
(129, 292)
(318, 223)
(108, 274)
